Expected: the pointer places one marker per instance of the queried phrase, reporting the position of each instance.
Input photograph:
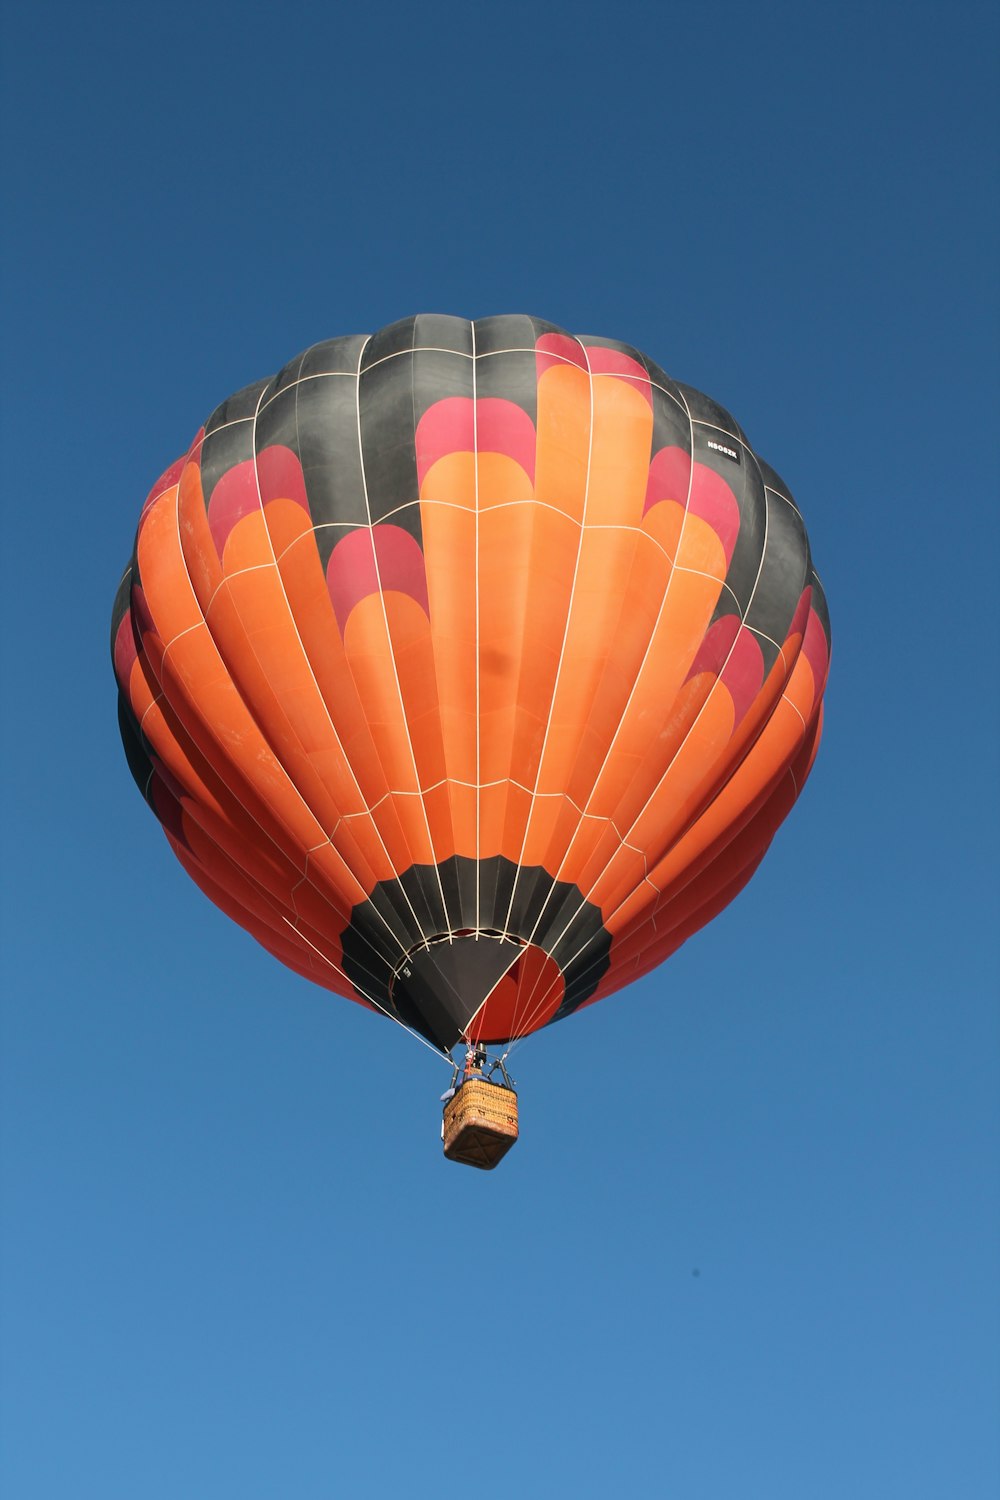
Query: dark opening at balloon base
(480, 1123)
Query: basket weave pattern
(480, 1123)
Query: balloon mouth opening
(441, 984)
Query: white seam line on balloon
(634, 530)
(646, 880)
(623, 842)
(690, 729)
(787, 500)
(761, 634)
(435, 665)
(471, 785)
(676, 568)
(741, 441)
(603, 872)
(565, 640)
(392, 659)
(169, 645)
(652, 919)
(260, 501)
(319, 696)
(785, 699)
(479, 727)
(449, 505)
(330, 834)
(641, 957)
(157, 698)
(638, 677)
(531, 1006)
(636, 380)
(569, 611)
(202, 623)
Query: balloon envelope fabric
(471, 667)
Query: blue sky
(748, 1242)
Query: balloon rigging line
(268, 899)
(371, 999)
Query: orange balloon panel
(471, 667)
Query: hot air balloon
(471, 668)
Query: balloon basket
(480, 1123)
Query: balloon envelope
(471, 667)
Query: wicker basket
(480, 1123)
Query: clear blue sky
(748, 1243)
